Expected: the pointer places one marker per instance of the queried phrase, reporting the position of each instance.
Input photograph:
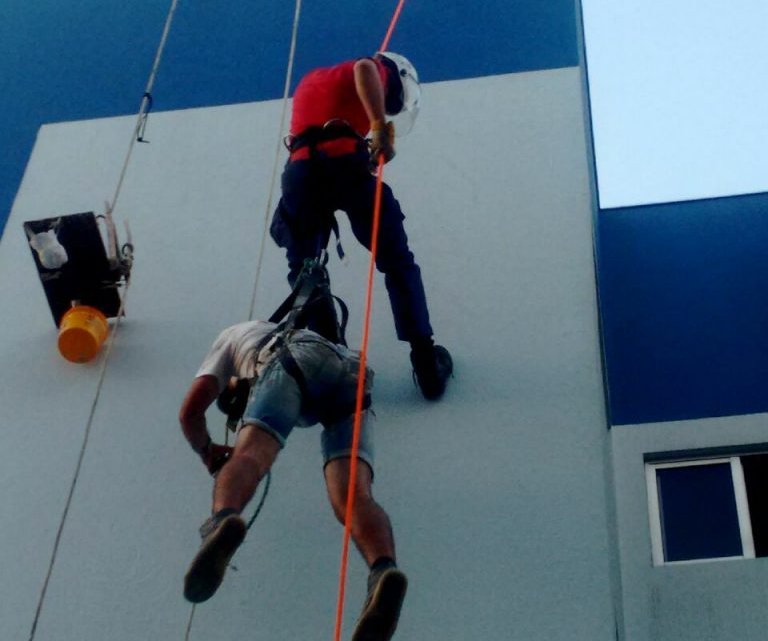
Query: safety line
(146, 101)
(278, 150)
(392, 23)
(350, 509)
(189, 622)
(78, 466)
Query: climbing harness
(310, 305)
(306, 145)
(311, 137)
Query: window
(707, 509)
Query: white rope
(78, 466)
(189, 623)
(278, 150)
(270, 198)
(145, 101)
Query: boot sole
(379, 620)
(206, 572)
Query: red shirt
(328, 93)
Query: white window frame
(742, 509)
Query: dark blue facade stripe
(684, 308)
(64, 61)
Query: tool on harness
(310, 305)
(312, 136)
(233, 400)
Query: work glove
(382, 141)
(214, 456)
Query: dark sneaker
(221, 537)
(386, 591)
(432, 367)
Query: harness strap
(292, 368)
(316, 134)
(311, 289)
(312, 274)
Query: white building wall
(496, 493)
(711, 600)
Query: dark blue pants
(313, 190)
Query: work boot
(432, 367)
(386, 591)
(222, 534)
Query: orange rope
(349, 513)
(392, 23)
(350, 508)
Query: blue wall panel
(684, 304)
(90, 58)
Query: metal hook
(146, 99)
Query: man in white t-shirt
(300, 379)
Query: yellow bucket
(82, 332)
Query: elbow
(199, 397)
(188, 416)
(192, 411)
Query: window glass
(756, 480)
(699, 517)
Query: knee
(256, 449)
(339, 505)
(363, 504)
(255, 461)
(395, 260)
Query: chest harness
(310, 305)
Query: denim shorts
(276, 405)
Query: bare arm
(201, 394)
(370, 89)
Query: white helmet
(405, 106)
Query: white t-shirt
(232, 353)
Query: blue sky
(678, 98)
(84, 59)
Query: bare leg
(255, 452)
(370, 528)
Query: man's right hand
(382, 141)
(215, 456)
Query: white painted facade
(497, 493)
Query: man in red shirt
(329, 168)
